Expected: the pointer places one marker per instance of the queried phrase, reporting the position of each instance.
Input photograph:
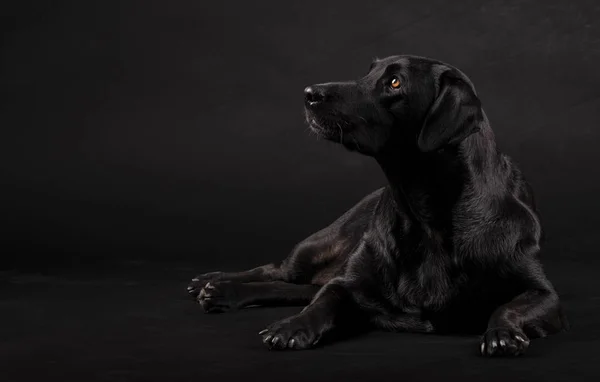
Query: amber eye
(395, 83)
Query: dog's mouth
(315, 127)
(324, 128)
(323, 131)
(335, 128)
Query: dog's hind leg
(265, 273)
(304, 263)
(314, 260)
(219, 296)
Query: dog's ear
(455, 114)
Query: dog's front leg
(535, 312)
(308, 327)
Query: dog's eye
(394, 83)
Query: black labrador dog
(450, 245)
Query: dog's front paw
(296, 332)
(198, 282)
(503, 342)
(218, 296)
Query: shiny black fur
(450, 245)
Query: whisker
(356, 143)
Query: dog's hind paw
(503, 342)
(218, 296)
(198, 282)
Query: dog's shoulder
(497, 215)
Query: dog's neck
(427, 186)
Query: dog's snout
(313, 95)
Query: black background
(143, 141)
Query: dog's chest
(430, 285)
(430, 274)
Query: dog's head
(402, 101)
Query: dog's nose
(313, 95)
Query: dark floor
(138, 324)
